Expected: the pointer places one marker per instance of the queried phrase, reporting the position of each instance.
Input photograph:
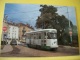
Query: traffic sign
(4, 28)
(70, 32)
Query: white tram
(43, 38)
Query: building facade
(23, 28)
(13, 32)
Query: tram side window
(32, 36)
(42, 35)
(35, 36)
(45, 35)
(26, 36)
(39, 36)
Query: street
(24, 51)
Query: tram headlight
(54, 42)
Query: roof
(21, 24)
(12, 24)
(44, 30)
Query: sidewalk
(68, 47)
(7, 48)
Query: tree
(75, 36)
(49, 18)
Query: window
(43, 35)
(51, 35)
(39, 36)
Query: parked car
(13, 42)
(3, 42)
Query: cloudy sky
(28, 13)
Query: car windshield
(51, 35)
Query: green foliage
(49, 18)
(47, 9)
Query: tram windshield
(51, 35)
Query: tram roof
(43, 30)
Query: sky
(28, 13)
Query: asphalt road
(24, 51)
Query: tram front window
(51, 35)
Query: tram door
(43, 38)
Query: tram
(42, 38)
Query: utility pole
(70, 29)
